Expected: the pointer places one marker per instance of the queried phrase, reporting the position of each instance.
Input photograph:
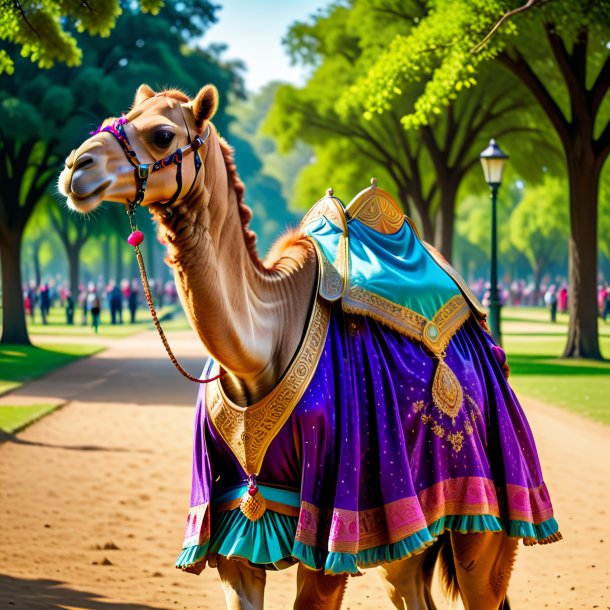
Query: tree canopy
(45, 31)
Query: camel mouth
(85, 203)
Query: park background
(313, 95)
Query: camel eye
(163, 138)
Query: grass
(14, 419)
(534, 346)
(20, 363)
(56, 324)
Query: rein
(141, 172)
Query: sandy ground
(93, 498)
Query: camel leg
(407, 583)
(243, 584)
(319, 591)
(483, 565)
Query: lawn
(19, 364)
(56, 324)
(13, 419)
(534, 344)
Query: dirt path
(112, 469)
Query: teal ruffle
(266, 541)
(466, 524)
(540, 532)
(192, 555)
(270, 541)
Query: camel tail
(448, 574)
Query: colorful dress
(393, 423)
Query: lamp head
(493, 160)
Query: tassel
(253, 504)
(447, 392)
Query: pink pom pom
(136, 238)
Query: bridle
(141, 172)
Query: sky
(254, 29)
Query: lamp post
(493, 160)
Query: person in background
(133, 300)
(45, 302)
(93, 304)
(550, 300)
(562, 299)
(69, 303)
(606, 305)
(115, 300)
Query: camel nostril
(70, 159)
(83, 162)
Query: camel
(354, 421)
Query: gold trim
(447, 320)
(331, 281)
(248, 431)
(376, 209)
(329, 207)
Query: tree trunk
(36, 263)
(14, 329)
(583, 336)
(73, 253)
(445, 220)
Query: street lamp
(493, 160)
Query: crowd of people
(550, 293)
(93, 298)
(116, 296)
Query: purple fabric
(377, 460)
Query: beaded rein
(141, 172)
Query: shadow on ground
(7, 437)
(43, 594)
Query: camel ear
(205, 105)
(143, 93)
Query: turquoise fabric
(523, 529)
(326, 235)
(266, 541)
(270, 541)
(283, 496)
(398, 268)
(191, 555)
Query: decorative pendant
(447, 391)
(253, 504)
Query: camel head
(156, 145)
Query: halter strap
(143, 170)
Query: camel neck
(249, 318)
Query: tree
(559, 51)
(44, 30)
(539, 225)
(73, 232)
(426, 165)
(33, 144)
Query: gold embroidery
(330, 208)
(456, 439)
(376, 209)
(248, 431)
(447, 392)
(331, 281)
(456, 435)
(434, 334)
